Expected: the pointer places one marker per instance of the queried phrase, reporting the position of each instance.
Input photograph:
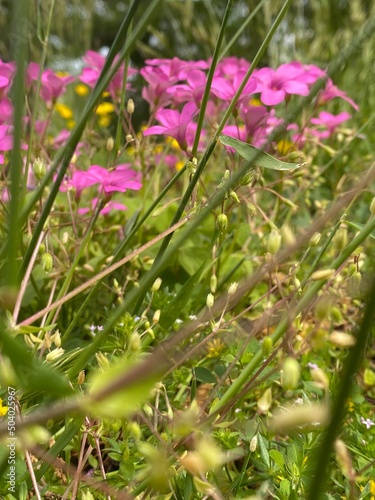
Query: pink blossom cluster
(174, 91)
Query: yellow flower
(81, 89)
(255, 102)
(104, 121)
(372, 488)
(70, 124)
(64, 111)
(3, 409)
(214, 348)
(104, 108)
(179, 165)
(284, 147)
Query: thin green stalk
(280, 330)
(37, 92)
(185, 199)
(122, 248)
(106, 75)
(210, 76)
(347, 376)
(238, 33)
(16, 199)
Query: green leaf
(204, 375)
(35, 329)
(261, 159)
(263, 451)
(278, 458)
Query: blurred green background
(314, 31)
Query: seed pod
(222, 223)
(232, 288)
(274, 242)
(130, 106)
(110, 144)
(290, 374)
(210, 300)
(267, 346)
(314, 240)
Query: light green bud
(290, 374)
(372, 206)
(157, 284)
(210, 300)
(274, 242)
(213, 283)
(39, 169)
(234, 196)
(267, 346)
(47, 262)
(314, 240)
(222, 223)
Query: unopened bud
(47, 262)
(342, 339)
(56, 338)
(253, 443)
(267, 346)
(102, 360)
(39, 169)
(157, 284)
(129, 138)
(265, 401)
(340, 239)
(55, 354)
(213, 283)
(248, 178)
(234, 196)
(156, 316)
(210, 300)
(372, 207)
(274, 242)
(110, 144)
(226, 175)
(314, 240)
(343, 459)
(232, 288)
(290, 374)
(130, 106)
(81, 377)
(222, 223)
(288, 235)
(320, 378)
(323, 274)
(135, 342)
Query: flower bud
(323, 274)
(129, 138)
(226, 175)
(39, 169)
(213, 283)
(135, 343)
(247, 178)
(47, 262)
(265, 401)
(234, 196)
(210, 300)
(372, 206)
(290, 374)
(156, 316)
(288, 235)
(254, 443)
(130, 106)
(274, 242)
(341, 339)
(102, 360)
(314, 240)
(343, 459)
(157, 284)
(340, 239)
(232, 288)
(81, 377)
(110, 144)
(56, 338)
(320, 378)
(54, 355)
(222, 223)
(267, 346)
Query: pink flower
(6, 110)
(230, 66)
(121, 179)
(6, 138)
(174, 124)
(226, 89)
(330, 122)
(110, 205)
(275, 85)
(7, 71)
(53, 86)
(193, 91)
(331, 91)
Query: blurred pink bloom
(226, 89)
(309, 73)
(174, 124)
(109, 206)
(230, 66)
(6, 110)
(331, 91)
(95, 63)
(330, 122)
(192, 91)
(7, 71)
(121, 179)
(53, 86)
(6, 138)
(275, 85)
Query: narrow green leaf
(263, 451)
(204, 375)
(261, 159)
(359, 227)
